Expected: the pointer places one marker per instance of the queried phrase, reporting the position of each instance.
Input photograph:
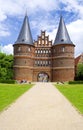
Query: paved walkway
(41, 108)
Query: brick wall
(63, 62)
(23, 62)
(63, 74)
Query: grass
(74, 93)
(10, 92)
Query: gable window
(42, 41)
(39, 42)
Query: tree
(79, 73)
(6, 66)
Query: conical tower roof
(25, 33)
(62, 36)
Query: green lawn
(10, 92)
(74, 94)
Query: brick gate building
(43, 60)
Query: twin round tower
(42, 60)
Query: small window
(62, 40)
(35, 62)
(63, 49)
(42, 41)
(54, 50)
(43, 62)
(39, 42)
(38, 62)
(35, 51)
(29, 49)
(49, 51)
(42, 35)
(46, 51)
(49, 62)
(23, 40)
(38, 51)
(19, 49)
(46, 42)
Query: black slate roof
(25, 33)
(62, 36)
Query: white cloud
(14, 7)
(76, 34)
(18, 8)
(8, 49)
(73, 6)
(4, 31)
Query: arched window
(41, 51)
(46, 51)
(35, 51)
(38, 51)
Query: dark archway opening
(43, 77)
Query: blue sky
(43, 15)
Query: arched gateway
(43, 77)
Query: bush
(8, 81)
(75, 82)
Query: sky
(43, 15)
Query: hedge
(75, 82)
(8, 81)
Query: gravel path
(43, 107)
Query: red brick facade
(44, 61)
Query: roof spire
(26, 12)
(62, 36)
(25, 33)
